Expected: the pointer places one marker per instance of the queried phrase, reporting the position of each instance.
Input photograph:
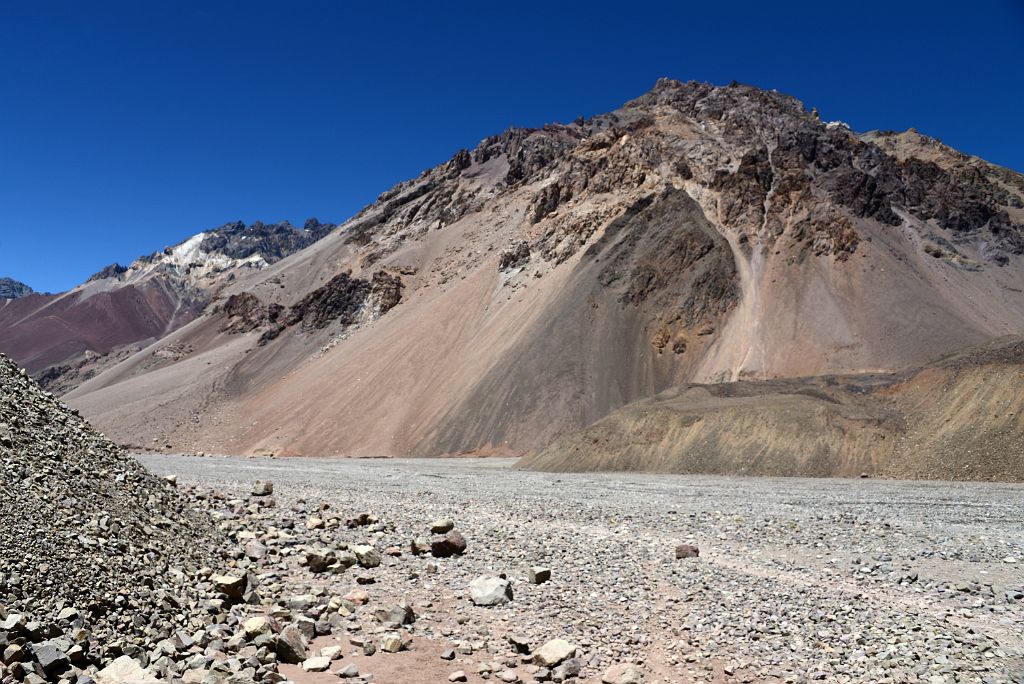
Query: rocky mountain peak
(13, 289)
(112, 271)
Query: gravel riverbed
(796, 580)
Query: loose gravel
(796, 580)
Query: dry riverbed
(797, 580)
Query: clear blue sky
(128, 126)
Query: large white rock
(125, 670)
(554, 652)
(490, 591)
(623, 674)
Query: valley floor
(831, 580)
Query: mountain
(12, 289)
(537, 283)
(64, 337)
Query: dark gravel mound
(89, 539)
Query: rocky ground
(796, 580)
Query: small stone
(539, 574)
(262, 488)
(347, 672)
(687, 551)
(391, 642)
(231, 586)
(317, 664)
(442, 526)
(458, 676)
(448, 654)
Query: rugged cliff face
(12, 289)
(551, 276)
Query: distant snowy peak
(233, 245)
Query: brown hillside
(699, 234)
(959, 418)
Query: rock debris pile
(98, 558)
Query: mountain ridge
(550, 276)
(64, 337)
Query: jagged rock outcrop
(112, 271)
(343, 300)
(246, 313)
(12, 289)
(271, 242)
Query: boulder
(316, 664)
(539, 574)
(262, 488)
(256, 626)
(687, 551)
(397, 615)
(624, 673)
(319, 561)
(291, 645)
(125, 670)
(490, 591)
(554, 652)
(442, 526)
(52, 657)
(451, 544)
(391, 642)
(367, 556)
(231, 586)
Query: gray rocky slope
(98, 558)
(12, 289)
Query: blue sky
(128, 126)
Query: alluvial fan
(98, 557)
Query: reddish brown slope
(46, 330)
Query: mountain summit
(12, 289)
(536, 283)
